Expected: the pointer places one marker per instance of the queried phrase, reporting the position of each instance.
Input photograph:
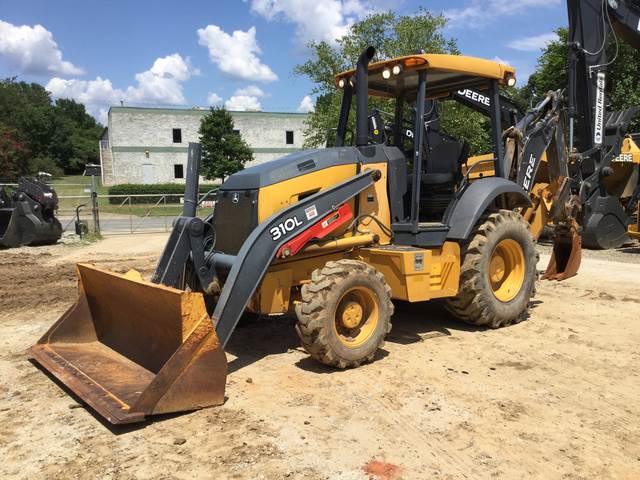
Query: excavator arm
(596, 135)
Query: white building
(149, 145)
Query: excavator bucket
(9, 235)
(131, 348)
(566, 257)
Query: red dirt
(381, 470)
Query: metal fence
(125, 214)
(121, 214)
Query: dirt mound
(27, 283)
(37, 282)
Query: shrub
(173, 191)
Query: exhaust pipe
(362, 94)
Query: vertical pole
(496, 130)
(130, 216)
(398, 136)
(418, 131)
(164, 197)
(94, 206)
(345, 108)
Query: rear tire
(498, 272)
(344, 313)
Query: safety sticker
(311, 212)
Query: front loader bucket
(566, 257)
(131, 348)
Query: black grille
(234, 218)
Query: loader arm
(247, 268)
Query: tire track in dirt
(404, 427)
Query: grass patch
(75, 185)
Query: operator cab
(427, 166)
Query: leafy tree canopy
(224, 151)
(58, 136)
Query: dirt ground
(555, 397)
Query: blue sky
(238, 53)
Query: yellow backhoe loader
(333, 235)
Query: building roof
(199, 111)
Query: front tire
(498, 272)
(344, 313)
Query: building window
(237, 132)
(178, 171)
(177, 135)
(289, 137)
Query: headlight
(386, 74)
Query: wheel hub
(497, 269)
(352, 314)
(507, 270)
(357, 316)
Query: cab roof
(445, 74)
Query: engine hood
(291, 166)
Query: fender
(464, 214)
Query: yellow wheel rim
(356, 317)
(507, 270)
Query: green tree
(60, 136)
(27, 108)
(74, 141)
(393, 35)
(224, 151)
(464, 123)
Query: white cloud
(89, 92)
(245, 99)
(251, 90)
(306, 105)
(482, 12)
(325, 20)
(241, 103)
(236, 54)
(532, 44)
(213, 99)
(32, 50)
(160, 85)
